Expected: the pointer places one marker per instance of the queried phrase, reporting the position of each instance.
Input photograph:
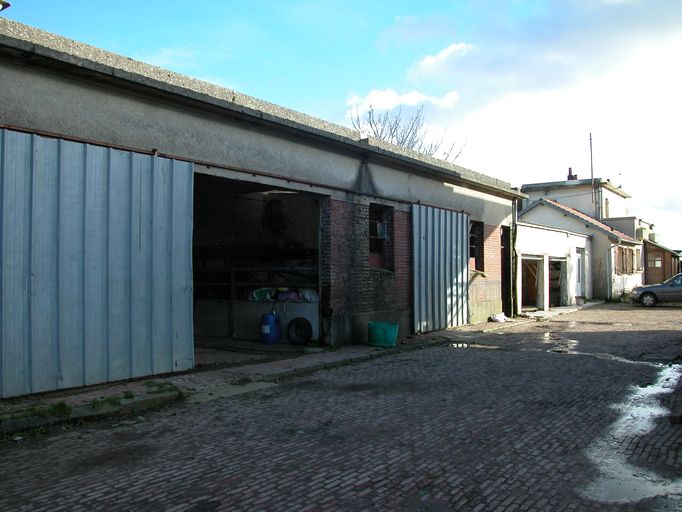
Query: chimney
(571, 176)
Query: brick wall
(352, 292)
(485, 292)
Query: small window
(654, 261)
(476, 246)
(380, 228)
(638, 257)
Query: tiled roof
(656, 244)
(590, 220)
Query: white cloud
(388, 99)
(633, 112)
(435, 64)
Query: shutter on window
(619, 260)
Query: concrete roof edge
(57, 48)
(448, 169)
(576, 183)
(616, 190)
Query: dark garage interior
(255, 253)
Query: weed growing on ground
(160, 387)
(113, 401)
(60, 409)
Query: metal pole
(592, 170)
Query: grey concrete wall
(35, 99)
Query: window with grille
(380, 228)
(476, 256)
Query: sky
(517, 85)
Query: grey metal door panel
(440, 268)
(95, 264)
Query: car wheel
(648, 299)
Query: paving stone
(436, 429)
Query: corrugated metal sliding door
(95, 264)
(440, 245)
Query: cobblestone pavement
(529, 427)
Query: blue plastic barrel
(269, 328)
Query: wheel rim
(648, 300)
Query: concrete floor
(230, 351)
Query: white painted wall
(549, 243)
(612, 205)
(605, 285)
(580, 198)
(624, 283)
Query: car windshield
(674, 280)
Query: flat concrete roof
(18, 40)
(575, 183)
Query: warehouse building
(142, 211)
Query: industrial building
(142, 211)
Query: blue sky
(519, 83)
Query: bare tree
(404, 130)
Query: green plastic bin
(382, 334)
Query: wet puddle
(619, 481)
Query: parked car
(667, 291)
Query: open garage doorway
(531, 272)
(255, 253)
(558, 280)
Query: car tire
(300, 331)
(648, 300)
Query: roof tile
(590, 220)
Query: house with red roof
(613, 260)
(552, 267)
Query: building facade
(143, 211)
(597, 198)
(553, 267)
(616, 261)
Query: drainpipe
(513, 258)
(609, 274)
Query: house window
(380, 228)
(638, 257)
(654, 261)
(632, 260)
(476, 246)
(625, 260)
